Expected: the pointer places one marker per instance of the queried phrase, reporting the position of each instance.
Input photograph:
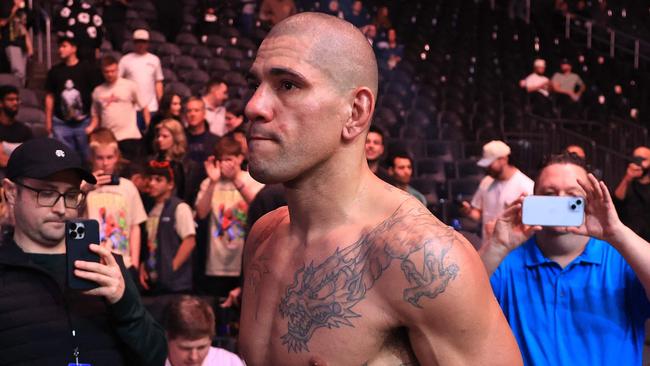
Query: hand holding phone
(553, 210)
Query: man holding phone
(632, 196)
(42, 320)
(572, 295)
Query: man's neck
(198, 129)
(561, 248)
(403, 186)
(163, 197)
(327, 197)
(30, 246)
(5, 120)
(71, 60)
(508, 172)
(373, 165)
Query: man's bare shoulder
(264, 228)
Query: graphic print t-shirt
(72, 87)
(116, 208)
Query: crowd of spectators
(172, 194)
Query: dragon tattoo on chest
(323, 295)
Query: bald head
(336, 47)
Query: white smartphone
(553, 210)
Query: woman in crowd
(171, 106)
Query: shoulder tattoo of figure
(323, 295)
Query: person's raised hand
(509, 231)
(601, 220)
(106, 274)
(143, 276)
(633, 171)
(230, 169)
(465, 208)
(213, 168)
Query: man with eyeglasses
(42, 321)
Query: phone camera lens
(578, 202)
(80, 230)
(573, 207)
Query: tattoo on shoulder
(323, 295)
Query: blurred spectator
(224, 196)
(568, 87)
(274, 11)
(502, 186)
(400, 167)
(357, 15)
(114, 19)
(15, 37)
(208, 23)
(171, 106)
(145, 70)
(374, 153)
(575, 295)
(234, 114)
(78, 19)
(200, 141)
(390, 52)
(170, 17)
(370, 31)
(114, 107)
(576, 150)
(171, 145)
(632, 196)
(334, 9)
(69, 86)
(167, 269)
(114, 201)
(382, 21)
(537, 85)
(189, 323)
(216, 94)
(12, 132)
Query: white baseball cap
(141, 35)
(492, 151)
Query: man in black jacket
(42, 320)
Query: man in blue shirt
(572, 295)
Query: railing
(44, 39)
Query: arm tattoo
(323, 295)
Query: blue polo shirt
(590, 313)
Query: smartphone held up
(79, 234)
(553, 211)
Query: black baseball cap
(40, 158)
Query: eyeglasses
(49, 197)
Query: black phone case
(79, 234)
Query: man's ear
(360, 114)
(9, 191)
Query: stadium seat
(10, 79)
(31, 116)
(178, 88)
(28, 98)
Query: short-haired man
(224, 197)
(375, 152)
(200, 141)
(216, 94)
(69, 86)
(572, 295)
(145, 69)
(568, 88)
(53, 324)
(354, 271)
(502, 185)
(538, 87)
(632, 195)
(115, 105)
(400, 167)
(12, 132)
(190, 326)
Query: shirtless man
(354, 271)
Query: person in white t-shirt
(502, 185)
(114, 201)
(189, 324)
(538, 87)
(115, 105)
(145, 70)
